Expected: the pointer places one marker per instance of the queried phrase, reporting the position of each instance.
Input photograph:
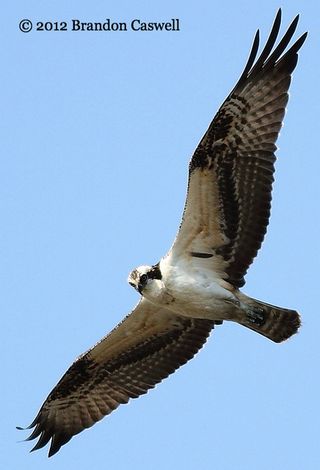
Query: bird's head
(144, 278)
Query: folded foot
(255, 315)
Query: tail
(276, 323)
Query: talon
(256, 315)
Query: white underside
(188, 287)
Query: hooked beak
(136, 287)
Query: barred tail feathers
(278, 323)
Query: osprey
(196, 285)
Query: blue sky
(98, 129)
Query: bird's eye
(143, 278)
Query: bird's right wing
(147, 346)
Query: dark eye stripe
(155, 272)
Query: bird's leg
(255, 315)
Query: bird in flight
(196, 285)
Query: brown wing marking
(145, 348)
(234, 163)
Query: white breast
(196, 290)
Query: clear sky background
(98, 128)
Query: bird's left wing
(231, 172)
(147, 346)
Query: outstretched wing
(231, 172)
(147, 346)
